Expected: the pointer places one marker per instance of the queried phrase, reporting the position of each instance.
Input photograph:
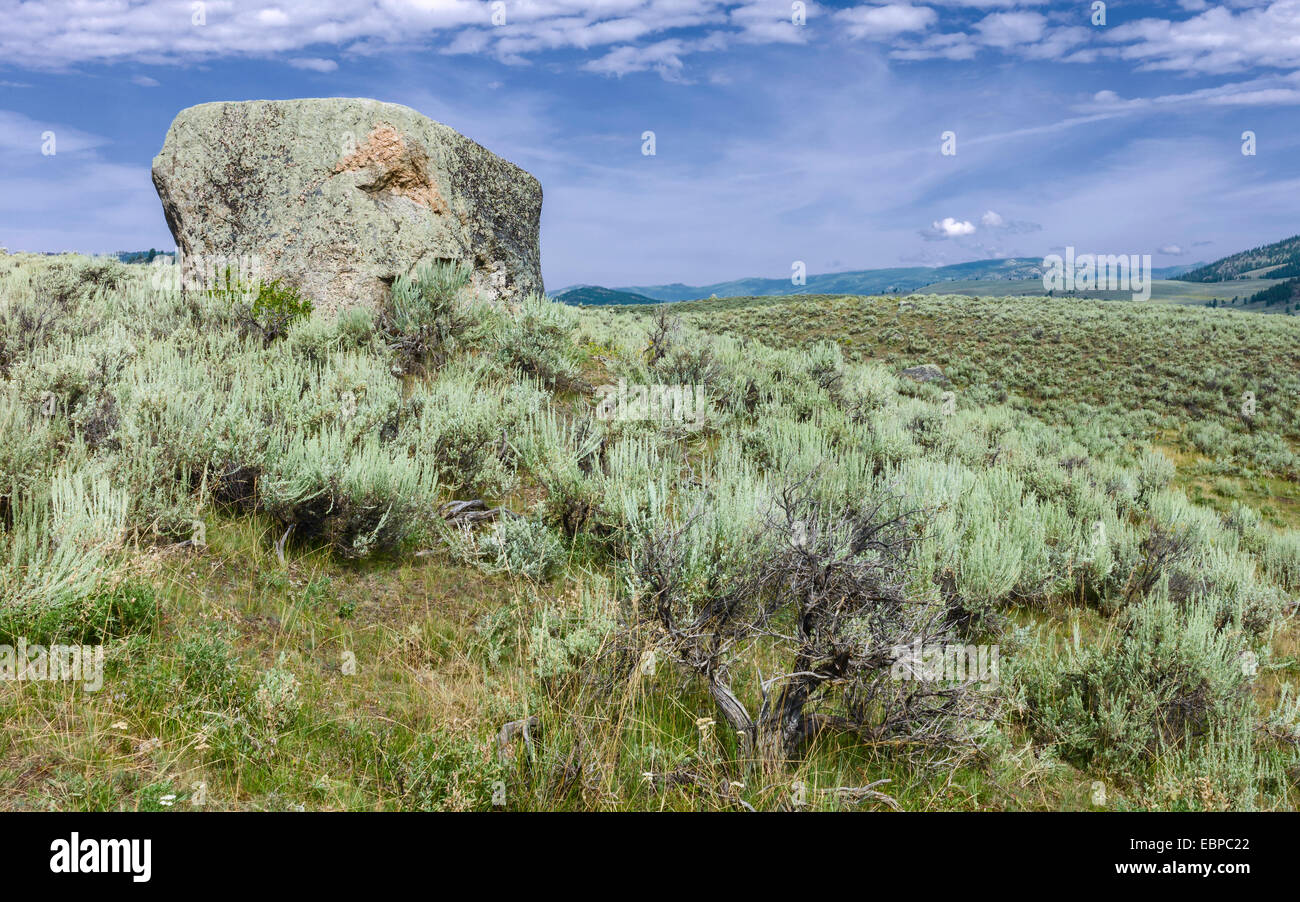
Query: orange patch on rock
(400, 168)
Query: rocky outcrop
(926, 372)
(338, 197)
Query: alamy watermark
(945, 662)
(103, 856)
(206, 272)
(1098, 272)
(667, 403)
(52, 663)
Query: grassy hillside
(990, 273)
(683, 607)
(1280, 260)
(1108, 374)
(1238, 294)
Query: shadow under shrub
(357, 500)
(108, 613)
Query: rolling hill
(897, 280)
(595, 295)
(865, 281)
(1280, 260)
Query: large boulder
(337, 197)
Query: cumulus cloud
(948, 227)
(1020, 32)
(1011, 29)
(59, 33)
(620, 36)
(1172, 250)
(1214, 39)
(950, 46)
(1218, 40)
(885, 21)
(665, 57)
(772, 21)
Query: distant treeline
(142, 256)
(1281, 293)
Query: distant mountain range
(897, 280)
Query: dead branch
(462, 513)
(279, 546)
(859, 794)
(514, 728)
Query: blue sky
(775, 142)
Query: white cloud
(664, 57)
(1218, 40)
(1236, 36)
(950, 46)
(772, 21)
(273, 18)
(1270, 90)
(1171, 250)
(1025, 33)
(996, 222)
(948, 227)
(60, 33)
(1007, 30)
(144, 81)
(987, 4)
(314, 64)
(1274, 97)
(22, 135)
(885, 21)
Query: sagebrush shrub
(429, 313)
(1167, 678)
(357, 499)
(277, 697)
(537, 342)
(524, 546)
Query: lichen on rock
(338, 197)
